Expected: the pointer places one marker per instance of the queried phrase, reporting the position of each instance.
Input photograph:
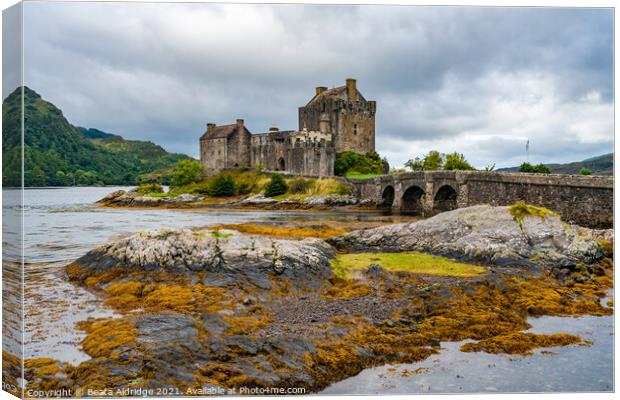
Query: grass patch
(520, 210)
(253, 181)
(358, 175)
(219, 235)
(413, 262)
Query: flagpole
(527, 150)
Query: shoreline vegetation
(260, 305)
(244, 189)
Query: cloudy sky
(476, 80)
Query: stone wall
(293, 152)
(585, 200)
(213, 155)
(352, 124)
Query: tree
(433, 161)
(585, 171)
(186, 172)
(526, 167)
(542, 169)
(456, 161)
(415, 164)
(534, 169)
(276, 186)
(350, 161)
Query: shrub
(435, 160)
(299, 185)
(221, 186)
(350, 161)
(186, 172)
(534, 169)
(276, 186)
(542, 169)
(147, 188)
(585, 171)
(456, 161)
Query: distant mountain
(57, 153)
(599, 165)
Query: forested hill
(57, 153)
(599, 165)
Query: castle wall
(213, 155)
(352, 124)
(294, 152)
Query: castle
(333, 121)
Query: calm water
(558, 369)
(63, 224)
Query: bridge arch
(412, 200)
(445, 199)
(387, 197)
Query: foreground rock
(222, 256)
(486, 234)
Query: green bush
(352, 162)
(534, 169)
(435, 160)
(186, 172)
(457, 162)
(585, 171)
(222, 186)
(147, 188)
(276, 186)
(299, 185)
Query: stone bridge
(584, 200)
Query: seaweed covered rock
(517, 235)
(222, 256)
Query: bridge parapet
(585, 200)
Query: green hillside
(599, 165)
(57, 153)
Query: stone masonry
(584, 200)
(333, 121)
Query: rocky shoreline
(222, 309)
(122, 198)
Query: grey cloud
(439, 74)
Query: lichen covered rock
(223, 256)
(487, 234)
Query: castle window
(322, 107)
(355, 129)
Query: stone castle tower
(333, 121)
(345, 114)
